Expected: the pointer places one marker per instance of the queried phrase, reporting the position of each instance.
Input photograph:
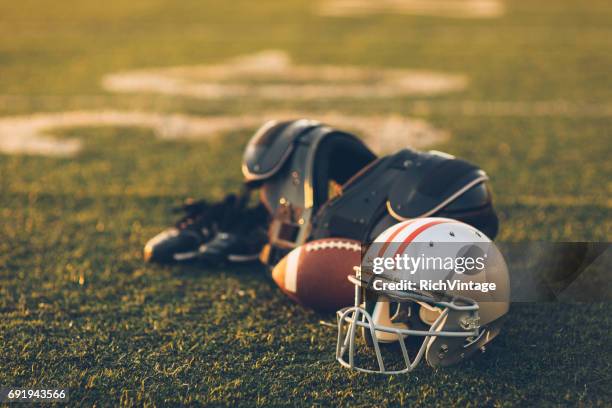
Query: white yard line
(29, 134)
(272, 75)
(435, 8)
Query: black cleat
(240, 240)
(181, 243)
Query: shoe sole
(187, 256)
(242, 258)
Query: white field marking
(28, 134)
(272, 75)
(436, 8)
(386, 134)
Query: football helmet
(417, 310)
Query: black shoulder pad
(429, 182)
(271, 146)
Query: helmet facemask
(447, 329)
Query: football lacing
(316, 246)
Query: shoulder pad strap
(429, 182)
(271, 146)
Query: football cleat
(240, 240)
(181, 243)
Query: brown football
(315, 274)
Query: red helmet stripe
(416, 233)
(392, 236)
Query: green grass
(79, 308)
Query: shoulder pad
(271, 146)
(429, 182)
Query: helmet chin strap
(382, 317)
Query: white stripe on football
(315, 274)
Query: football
(315, 274)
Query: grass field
(80, 309)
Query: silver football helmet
(453, 321)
